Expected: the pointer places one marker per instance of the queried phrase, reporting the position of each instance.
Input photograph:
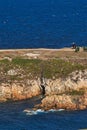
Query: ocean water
(13, 117)
(42, 23)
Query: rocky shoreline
(64, 83)
(69, 93)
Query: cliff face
(64, 93)
(64, 101)
(68, 93)
(19, 91)
(75, 81)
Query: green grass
(25, 62)
(59, 68)
(32, 68)
(75, 92)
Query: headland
(60, 75)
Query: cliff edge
(60, 76)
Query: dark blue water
(37, 24)
(42, 23)
(12, 117)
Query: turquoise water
(42, 23)
(12, 117)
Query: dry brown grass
(67, 54)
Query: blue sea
(13, 117)
(42, 23)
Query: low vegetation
(76, 92)
(33, 68)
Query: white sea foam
(31, 113)
(39, 110)
(61, 109)
(35, 112)
(54, 110)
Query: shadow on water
(20, 105)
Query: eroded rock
(66, 102)
(58, 92)
(75, 81)
(19, 91)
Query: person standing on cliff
(73, 45)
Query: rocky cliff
(75, 81)
(19, 91)
(63, 83)
(68, 93)
(65, 93)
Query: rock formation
(75, 81)
(67, 102)
(68, 93)
(19, 91)
(62, 93)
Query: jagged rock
(64, 102)
(75, 81)
(56, 91)
(19, 91)
(12, 72)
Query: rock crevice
(69, 93)
(65, 93)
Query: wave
(53, 110)
(35, 112)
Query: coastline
(64, 77)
